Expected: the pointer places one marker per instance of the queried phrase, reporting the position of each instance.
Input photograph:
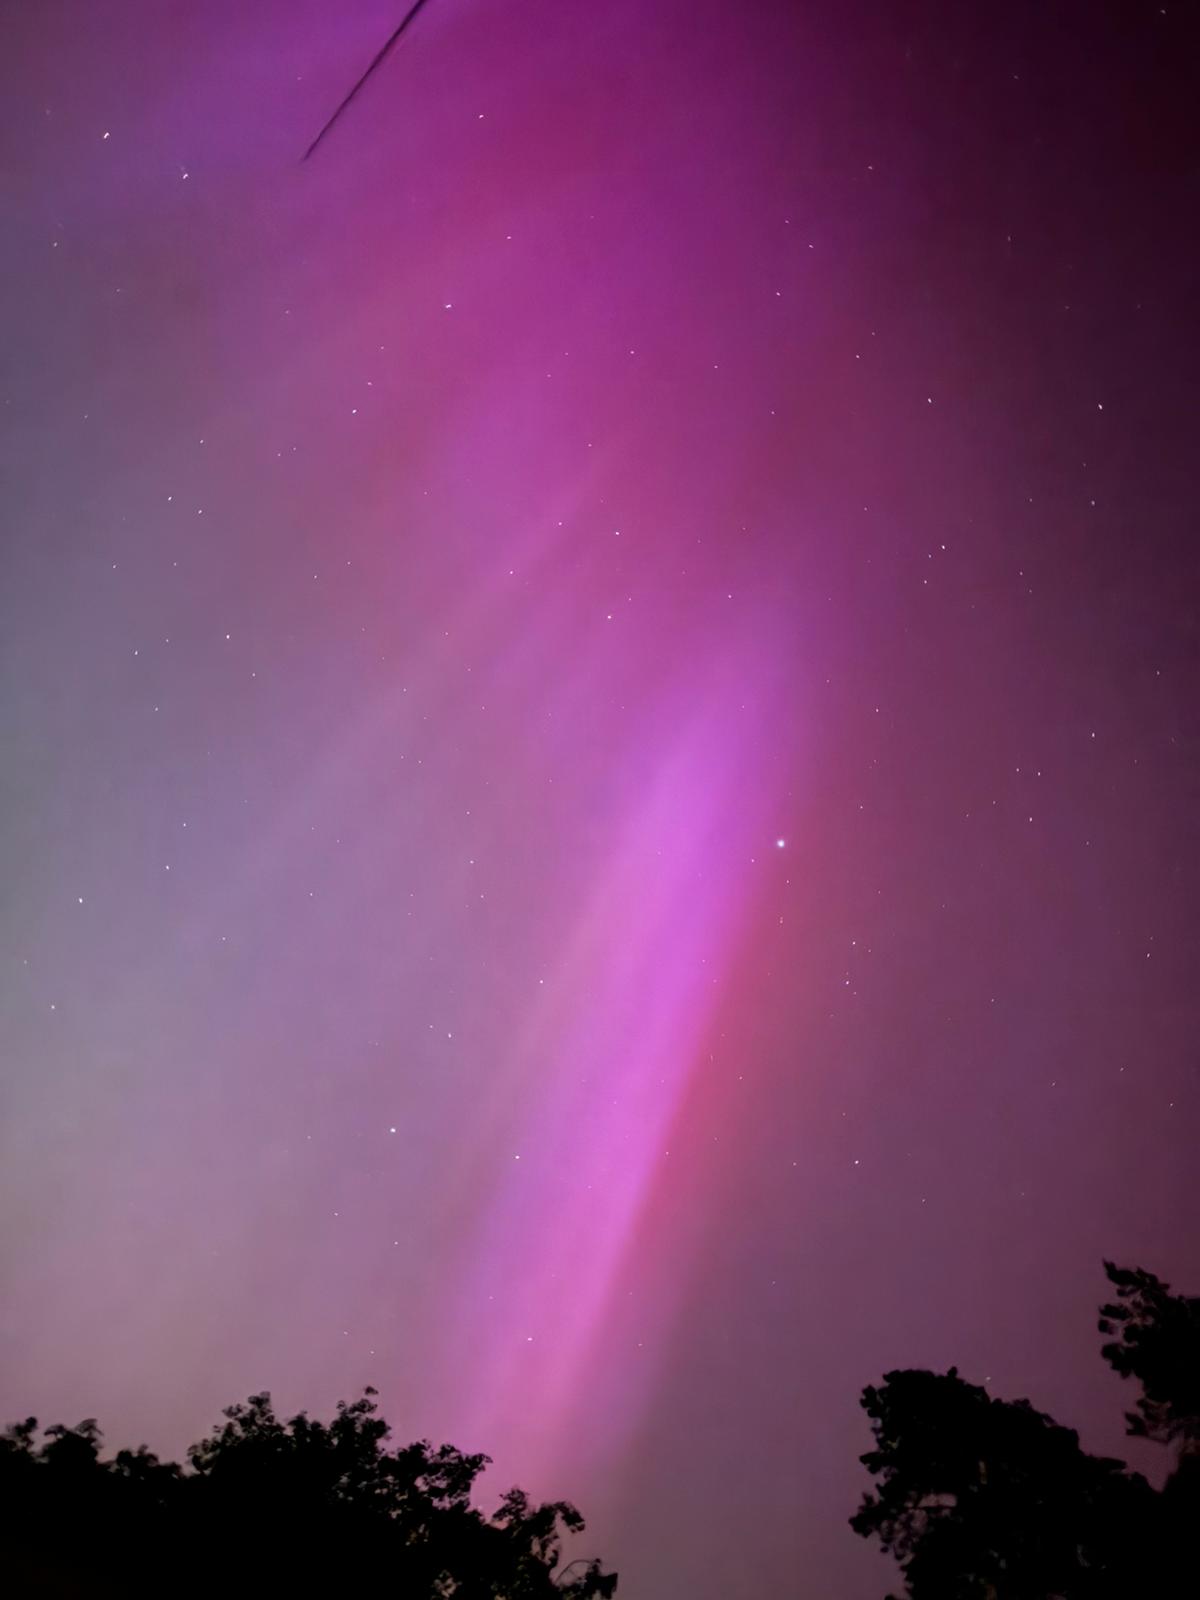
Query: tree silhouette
(986, 1499)
(1159, 1345)
(271, 1507)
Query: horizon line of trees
(977, 1498)
(985, 1499)
(266, 1507)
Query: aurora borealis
(600, 730)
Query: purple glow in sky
(600, 730)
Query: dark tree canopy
(1158, 1343)
(273, 1507)
(986, 1499)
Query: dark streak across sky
(599, 725)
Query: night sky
(600, 730)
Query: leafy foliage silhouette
(269, 1507)
(986, 1499)
(1159, 1345)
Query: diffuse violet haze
(599, 710)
